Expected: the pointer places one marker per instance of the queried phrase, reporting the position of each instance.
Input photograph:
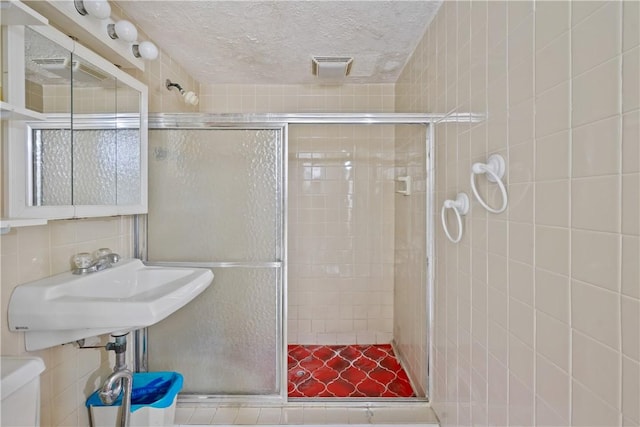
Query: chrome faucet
(85, 265)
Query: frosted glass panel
(224, 341)
(215, 196)
(128, 166)
(52, 167)
(99, 167)
(94, 167)
(230, 178)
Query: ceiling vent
(81, 72)
(331, 69)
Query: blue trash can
(153, 401)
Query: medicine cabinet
(88, 156)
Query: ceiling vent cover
(81, 72)
(331, 68)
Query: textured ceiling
(272, 42)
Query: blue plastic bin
(153, 401)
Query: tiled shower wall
(410, 237)
(537, 310)
(341, 234)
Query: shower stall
(318, 230)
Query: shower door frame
(206, 121)
(140, 338)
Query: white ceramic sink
(125, 297)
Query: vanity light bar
(120, 30)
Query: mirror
(89, 152)
(48, 90)
(93, 141)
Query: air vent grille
(81, 71)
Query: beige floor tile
(247, 416)
(270, 416)
(202, 416)
(225, 416)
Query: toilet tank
(20, 390)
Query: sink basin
(125, 297)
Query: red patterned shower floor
(346, 371)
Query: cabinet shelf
(7, 223)
(13, 12)
(11, 112)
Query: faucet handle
(101, 252)
(105, 255)
(82, 260)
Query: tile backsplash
(32, 253)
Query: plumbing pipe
(111, 390)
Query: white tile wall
(410, 293)
(235, 98)
(562, 284)
(341, 234)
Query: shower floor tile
(346, 371)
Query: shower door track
(255, 120)
(258, 121)
(222, 264)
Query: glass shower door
(215, 201)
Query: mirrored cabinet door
(88, 157)
(128, 145)
(48, 85)
(48, 67)
(94, 134)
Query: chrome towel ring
(461, 207)
(494, 169)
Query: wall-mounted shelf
(11, 112)
(7, 223)
(13, 12)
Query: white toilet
(20, 390)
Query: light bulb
(145, 50)
(99, 9)
(124, 30)
(191, 98)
